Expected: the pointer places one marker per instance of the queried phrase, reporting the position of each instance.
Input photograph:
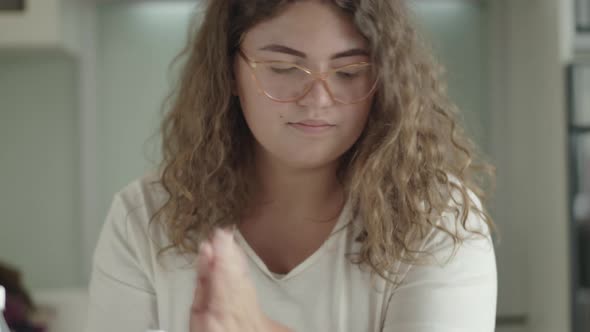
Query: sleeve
(122, 298)
(456, 294)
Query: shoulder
(128, 234)
(143, 195)
(455, 287)
(462, 237)
(460, 241)
(126, 271)
(465, 213)
(135, 205)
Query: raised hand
(225, 297)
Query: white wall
(458, 31)
(39, 223)
(136, 43)
(38, 25)
(48, 24)
(529, 145)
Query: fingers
(224, 294)
(225, 250)
(223, 276)
(202, 293)
(222, 273)
(229, 279)
(216, 267)
(205, 260)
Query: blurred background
(81, 88)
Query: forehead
(317, 28)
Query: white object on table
(3, 325)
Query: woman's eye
(347, 74)
(353, 72)
(283, 70)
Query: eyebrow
(287, 50)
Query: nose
(318, 95)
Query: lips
(313, 123)
(312, 127)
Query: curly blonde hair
(398, 176)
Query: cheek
(263, 116)
(355, 121)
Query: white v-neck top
(133, 289)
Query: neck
(311, 193)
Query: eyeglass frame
(321, 76)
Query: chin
(302, 161)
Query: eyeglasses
(288, 82)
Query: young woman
(314, 178)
